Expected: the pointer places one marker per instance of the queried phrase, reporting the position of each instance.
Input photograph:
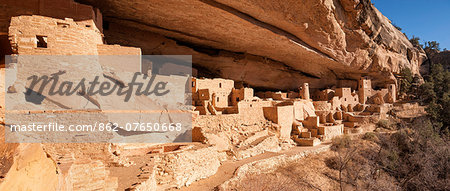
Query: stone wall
(346, 97)
(114, 57)
(253, 110)
(219, 90)
(59, 9)
(329, 132)
(226, 122)
(61, 37)
(89, 175)
(182, 168)
(241, 94)
(283, 116)
(104, 49)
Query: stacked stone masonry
(306, 119)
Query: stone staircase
(305, 137)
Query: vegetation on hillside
(415, 41)
(416, 157)
(413, 157)
(433, 45)
(405, 82)
(436, 95)
(397, 27)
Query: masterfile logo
(94, 99)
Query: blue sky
(427, 19)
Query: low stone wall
(269, 144)
(266, 166)
(149, 184)
(225, 122)
(90, 175)
(329, 132)
(182, 168)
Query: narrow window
(217, 99)
(63, 25)
(237, 99)
(220, 85)
(345, 99)
(193, 84)
(41, 41)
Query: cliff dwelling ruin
(260, 85)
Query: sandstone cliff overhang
(266, 44)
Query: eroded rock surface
(316, 41)
(26, 167)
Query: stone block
(307, 141)
(305, 134)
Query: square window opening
(41, 41)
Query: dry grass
(319, 172)
(310, 173)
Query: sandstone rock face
(288, 41)
(31, 169)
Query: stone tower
(392, 91)
(364, 89)
(304, 91)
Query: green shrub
(370, 136)
(415, 41)
(435, 93)
(340, 143)
(406, 81)
(384, 123)
(433, 45)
